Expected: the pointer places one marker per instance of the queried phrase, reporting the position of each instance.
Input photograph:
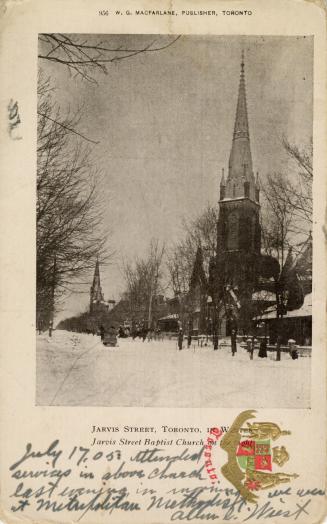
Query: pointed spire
(198, 274)
(288, 264)
(240, 161)
(96, 296)
(96, 277)
(241, 126)
(303, 263)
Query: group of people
(146, 334)
(251, 345)
(141, 331)
(262, 353)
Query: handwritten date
(82, 480)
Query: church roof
(96, 291)
(96, 277)
(304, 311)
(198, 274)
(303, 263)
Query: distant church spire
(96, 296)
(96, 277)
(198, 274)
(240, 181)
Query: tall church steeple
(240, 181)
(241, 126)
(238, 227)
(239, 264)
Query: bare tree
(293, 191)
(84, 55)
(287, 219)
(179, 266)
(144, 281)
(69, 213)
(180, 258)
(299, 194)
(277, 224)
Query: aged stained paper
(201, 129)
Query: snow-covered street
(77, 370)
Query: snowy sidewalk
(77, 370)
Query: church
(98, 305)
(239, 268)
(244, 287)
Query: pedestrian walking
(102, 333)
(189, 340)
(180, 339)
(292, 349)
(250, 347)
(233, 341)
(263, 349)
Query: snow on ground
(77, 370)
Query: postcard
(163, 262)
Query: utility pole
(280, 303)
(209, 301)
(215, 323)
(53, 286)
(282, 288)
(153, 291)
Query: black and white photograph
(174, 229)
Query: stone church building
(239, 269)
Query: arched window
(232, 231)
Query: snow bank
(77, 370)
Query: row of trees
(167, 269)
(69, 208)
(69, 214)
(144, 279)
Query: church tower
(238, 227)
(96, 295)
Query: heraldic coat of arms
(252, 455)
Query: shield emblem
(254, 455)
(251, 456)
